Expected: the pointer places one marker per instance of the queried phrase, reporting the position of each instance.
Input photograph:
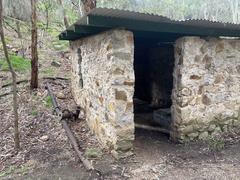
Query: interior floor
(146, 115)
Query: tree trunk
(18, 29)
(89, 5)
(64, 14)
(17, 24)
(47, 18)
(14, 86)
(34, 62)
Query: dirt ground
(46, 153)
(155, 156)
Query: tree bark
(47, 18)
(64, 14)
(14, 86)
(89, 5)
(17, 25)
(34, 62)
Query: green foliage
(22, 170)
(60, 45)
(93, 153)
(8, 171)
(34, 112)
(19, 64)
(48, 102)
(216, 144)
(48, 72)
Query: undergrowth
(19, 64)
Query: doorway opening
(153, 67)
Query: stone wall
(103, 84)
(206, 94)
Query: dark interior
(153, 66)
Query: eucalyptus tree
(34, 53)
(47, 7)
(14, 84)
(17, 9)
(235, 10)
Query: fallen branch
(18, 82)
(69, 133)
(151, 128)
(15, 19)
(10, 26)
(55, 78)
(26, 80)
(5, 94)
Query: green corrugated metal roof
(146, 26)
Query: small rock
(55, 64)
(236, 123)
(93, 153)
(193, 135)
(203, 136)
(44, 138)
(216, 132)
(225, 128)
(31, 163)
(60, 95)
(212, 127)
(188, 129)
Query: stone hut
(131, 68)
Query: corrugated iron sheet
(126, 14)
(105, 17)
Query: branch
(10, 26)
(55, 78)
(5, 94)
(18, 82)
(14, 19)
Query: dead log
(69, 133)
(18, 82)
(5, 94)
(55, 78)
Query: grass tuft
(48, 102)
(19, 64)
(216, 144)
(34, 112)
(93, 153)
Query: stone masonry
(206, 93)
(103, 84)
